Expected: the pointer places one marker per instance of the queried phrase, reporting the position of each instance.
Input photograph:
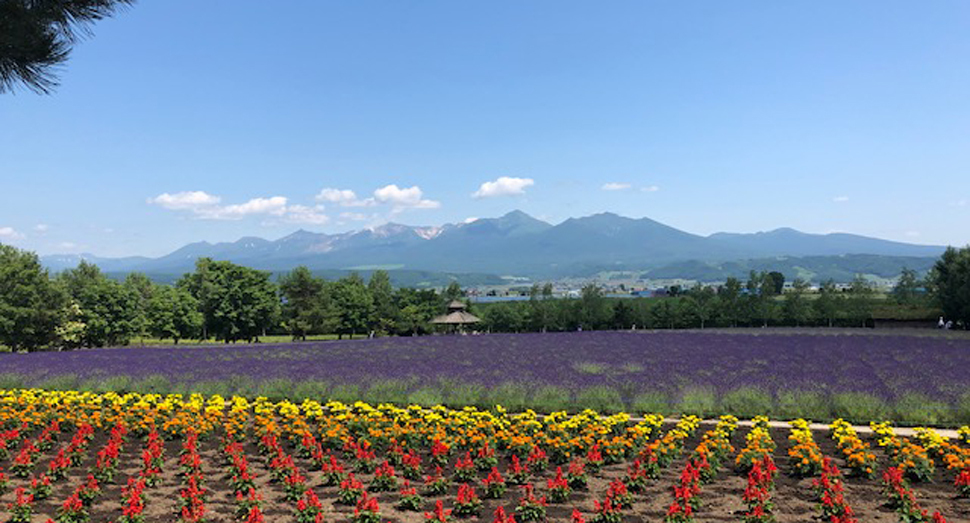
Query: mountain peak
(512, 223)
(517, 215)
(514, 243)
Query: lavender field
(686, 370)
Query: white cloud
(650, 188)
(206, 206)
(470, 219)
(840, 199)
(404, 198)
(9, 233)
(275, 206)
(503, 186)
(185, 201)
(41, 227)
(304, 214)
(960, 203)
(615, 186)
(343, 198)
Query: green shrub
(746, 402)
(315, 390)
(12, 380)
(211, 387)
(119, 384)
(599, 398)
(551, 399)
(61, 382)
(387, 391)
(458, 395)
(963, 409)
(426, 397)
(917, 409)
(806, 404)
(345, 393)
(859, 407)
(699, 401)
(276, 389)
(154, 384)
(510, 395)
(650, 403)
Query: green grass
(590, 368)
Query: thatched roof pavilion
(457, 316)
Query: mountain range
(513, 244)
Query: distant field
(865, 376)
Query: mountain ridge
(514, 243)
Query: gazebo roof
(456, 315)
(456, 318)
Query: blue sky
(182, 121)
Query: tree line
(219, 300)
(82, 307)
(736, 303)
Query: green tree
(109, 310)
(172, 312)
(70, 333)
(906, 290)
(664, 313)
(593, 311)
(503, 317)
(759, 306)
(624, 315)
(858, 305)
(303, 307)
(411, 320)
(352, 305)
(385, 307)
(829, 304)
(417, 307)
(701, 304)
(36, 37)
(142, 288)
(730, 300)
(541, 309)
(237, 303)
(796, 308)
(452, 292)
(31, 306)
(777, 281)
(950, 284)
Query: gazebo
(457, 316)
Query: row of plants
(701, 467)
(755, 460)
(910, 458)
(364, 450)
